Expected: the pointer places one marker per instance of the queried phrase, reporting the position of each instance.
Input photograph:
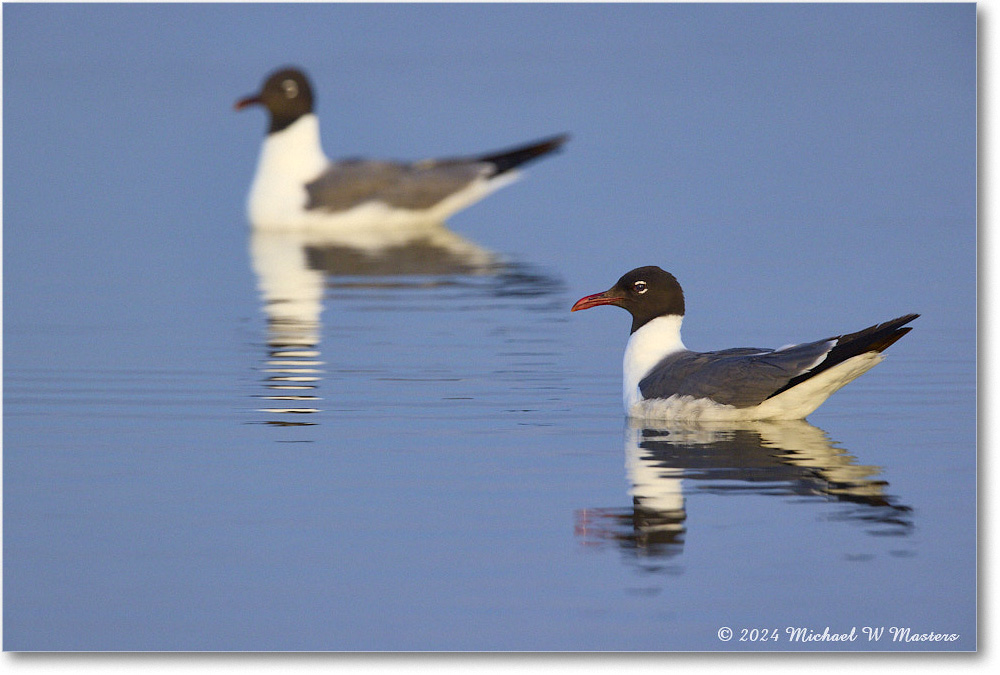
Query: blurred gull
(297, 188)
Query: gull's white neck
(288, 159)
(646, 347)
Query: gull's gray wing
(420, 185)
(741, 377)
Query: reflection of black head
(287, 96)
(641, 531)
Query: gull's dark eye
(640, 287)
(291, 89)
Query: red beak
(248, 101)
(605, 298)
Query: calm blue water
(218, 441)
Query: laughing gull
(297, 187)
(665, 380)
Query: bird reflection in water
(297, 270)
(778, 458)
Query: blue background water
(468, 481)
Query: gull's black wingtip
(875, 338)
(506, 160)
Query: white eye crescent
(640, 287)
(291, 88)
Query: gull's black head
(287, 96)
(646, 292)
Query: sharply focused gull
(297, 187)
(664, 380)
